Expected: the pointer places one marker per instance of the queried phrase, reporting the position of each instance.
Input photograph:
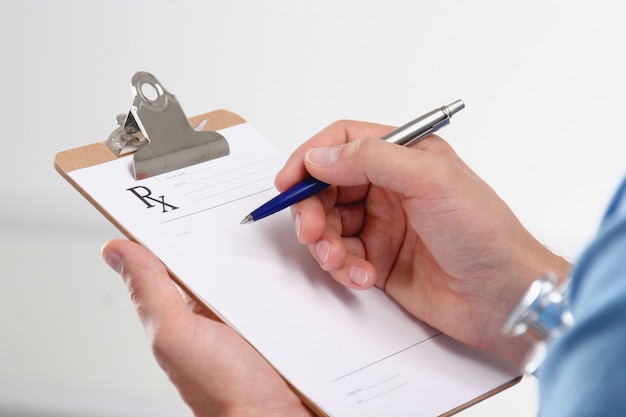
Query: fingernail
(322, 157)
(323, 250)
(358, 275)
(114, 260)
(297, 225)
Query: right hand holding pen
(421, 225)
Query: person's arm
(416, 222)
(584, 372)
(214, 369)
(419, 223)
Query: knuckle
(165, 342)
(361, 149)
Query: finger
(381, 163)
(309, 216)
(346, 263)
(351, 195)
(343, 257)
(352, 218)
(153, 293)
(337, 133)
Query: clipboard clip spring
(157, 129)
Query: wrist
(539, 261)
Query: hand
(418, 223)
(214, 369)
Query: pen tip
(247, 219)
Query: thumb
(151, 289)
(375, 161)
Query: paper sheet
(351, 352)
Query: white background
(543, 82)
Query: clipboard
(137, 131)
(99, 153)
(102, 152)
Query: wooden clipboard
(165, 141)
(98, 153)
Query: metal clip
(157, 125)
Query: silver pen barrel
(423, 125)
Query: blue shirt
(584, 372)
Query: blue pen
(403, 136)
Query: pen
(403, 136)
